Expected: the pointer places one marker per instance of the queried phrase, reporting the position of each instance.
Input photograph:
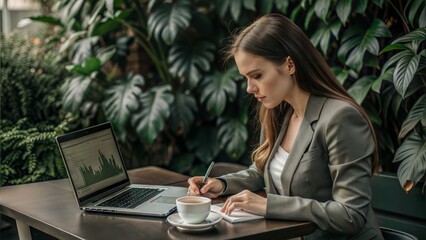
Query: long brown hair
(275, 37)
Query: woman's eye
(257, 76)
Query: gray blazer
(326, 178)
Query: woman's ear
(290, 66)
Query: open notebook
(236, 216)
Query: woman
(317, 147)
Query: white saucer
(207, 224)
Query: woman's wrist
(224, 186)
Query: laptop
(99, 178)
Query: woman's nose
(251, 88)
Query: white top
(276, 168)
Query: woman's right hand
(212, 188)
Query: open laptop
(99, 178)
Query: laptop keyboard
(131, 198)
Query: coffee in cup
(193, 209)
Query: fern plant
(29, 153)
(31, 113)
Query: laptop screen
(93, 161)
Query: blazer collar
(303, 139)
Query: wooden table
(51, 207)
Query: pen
(207, 173)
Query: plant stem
(143, 41)
(164, 60)
(404, 21)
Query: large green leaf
(149, 121)
(105, 54)
(217, 89)
(357, 41)
(235, 7)
(378, 2)
(412, 155)
(416, 9)
(416, 114)
(405, 70)
(233, 136)
(361, 6)
(182, 112)
(322, 36)
(74, 90)
(416, 35)
(395, 46)
(189, 61)
(341, 74)
(204, 143)
(90, 65)
(168, 19)
(321, 9)
(360, 88)
(266, 6)
(282, 5)
(47, 19)
(308, 18)
(391, 102)
(386, 75)
(343, 9)
(110, 23)
(120, 100)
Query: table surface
(51, 207)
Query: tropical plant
(185, 104)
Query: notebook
(99, 178)
(236, 215)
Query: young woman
(317, 147)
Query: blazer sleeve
(249, 179)
(350, 147)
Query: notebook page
(236, 215)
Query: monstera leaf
(189, 61)
(233, 136)
(217, 88)
(357, 40)
(74, 90)
(182, 112)
(204, 143)
(155, 109)
(166, 20)
(121, 99)
(412, 155)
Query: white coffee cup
(193, 209)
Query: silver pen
(207, 173)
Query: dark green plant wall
(183, 107)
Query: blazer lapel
(302, 141)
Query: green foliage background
(180, 106)
(30, 111)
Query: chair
(392, 234)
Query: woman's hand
(247, 201)
(211, 188)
